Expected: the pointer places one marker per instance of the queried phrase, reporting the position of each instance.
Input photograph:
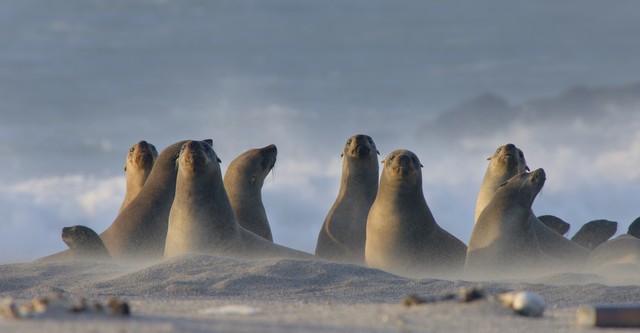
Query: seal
(634, 228)
(555, 223)
(243, 181)
(342, 237)
(506, 162)
(503, 242)
(552, 243)
(617, 256)
(137, 167)
(140, 230)
(595, 233)
(402, 235)
(84, 243)
(201, 218)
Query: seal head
(137, 167)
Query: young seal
(140, 230)
(243, 181)
(506, 162)
(402, 236)
(551, 243)
(202, 219)
(595, 233)
(84, 243)
(503, 242)
(343, 233)
(137, 167)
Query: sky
(82, 80)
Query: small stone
(525, 303)
(411, 300)
(118, 307)
(470, 294)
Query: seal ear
(342, 155)
(209, 141)
(503, 184)
(489, 158)
(125, 168)
(526, 167)
(218, 159)
(422, 166)
(377, 151)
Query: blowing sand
(202, 293)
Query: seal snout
(269, 155)
(510, 150)
(192, 153)
(401, 163)
(538, 175)
(360, 145)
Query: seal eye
(131, 149)
(498, 150)
(349, 141)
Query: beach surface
(205, 293)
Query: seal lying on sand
(138, 164)
(202, 219)
(343, 233)
(84, 243)
(503, 242)
(402, 235)
(595, 233)
(243, 181)
(552, 243)
(617, 257)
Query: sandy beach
(203, 293)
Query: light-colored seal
(402, 235)
(137, 167)
(503, 242)
(140, 230)
(506, 162)
(202, 219)
(343, 233)
(84, 243)
(552, 243)
(594, 233)
(617, 257)
(243, 181)
(555, 223)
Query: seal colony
(177, 202)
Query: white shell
(526, 303)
